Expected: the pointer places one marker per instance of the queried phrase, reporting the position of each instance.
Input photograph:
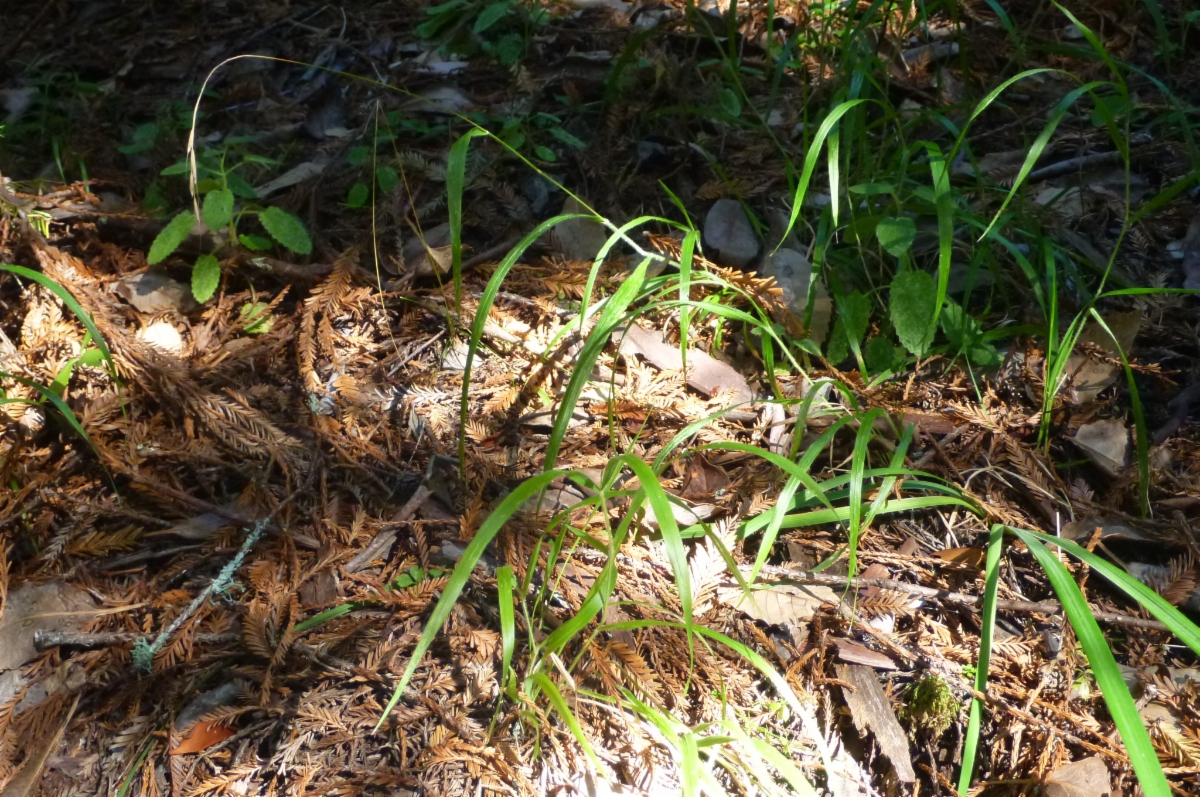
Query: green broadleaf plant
(206, 275)
(911, 304)
(896, 234)
(174, 234)
(286, 229)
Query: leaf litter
(317, 429)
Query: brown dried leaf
(779, 604)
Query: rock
(1084, 778)
(578, 239)
(1106, 444)
(151, 292)
(728, 235)
(164, 336)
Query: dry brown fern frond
(1182, 577)
(243, 428)
(638, 674)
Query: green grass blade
(987, 634)
(462, 572)
(842, 514)
(686, 256)
(619, 234)
(944, 202)
(1141, 433)
(560, 705)
(610, 317)
(858, 463)
(810, 160)
(689, 765)
(676, 555)
(780, 685)
(65, 296)
(456, 171)
(1039, 146)
(486, 300)
(505, 587)
(1120, 703)
(65, 411)
(1168, 615)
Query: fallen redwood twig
(784, 575)
(45, 640)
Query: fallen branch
(788, 576)
(45, 640)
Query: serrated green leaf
(357, 196)
(286, 229)
(896, 234)
(218, 209)
(239, 186)
(255, 243)
(358, 155)
(509, 48)
(912, 299)
(545, 153)
(880, 354)
(387, 178)
(176, 168)
(206, 275)
(206, 184)
(731, 104)
(491, 15)
(167, 241)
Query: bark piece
(871, 711)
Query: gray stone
(728, 236)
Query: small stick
(784, 575)
(45, 640)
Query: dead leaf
(704, 480)
(423, 254)
(1081, 530)
(202, 736)
(51, 607)
(854, 653)
(1090, 376)
(164, 336)
(705, 373)
(971, 557)
(872, 711)
(1106, 444)
(199, 527)
(778, 604)
(445, 99)
(293, 176)
(1087, 777)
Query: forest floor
(335, 463)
